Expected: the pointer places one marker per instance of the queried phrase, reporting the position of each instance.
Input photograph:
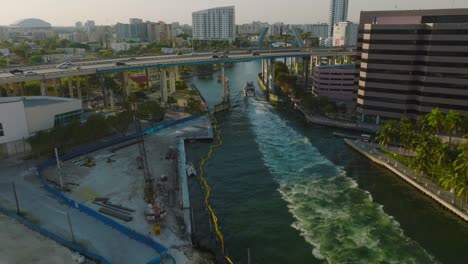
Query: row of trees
(96, 127)
(446, 163)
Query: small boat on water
(191, 172)
(249, 89)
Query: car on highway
(180, 53)
(215, 56)
(223, 56)
(119, 63)
(255, 54)
(62, 66)
(194, 53)
(131, 59)
(16, 71)
(31, 73)
(78, 68)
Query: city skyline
(300, 11)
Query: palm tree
(435, 120)
(406, 132)
(451, 122)
(387, 133)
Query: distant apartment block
(317, 30)
(251, 28)
(411, 62)
(159, 31)
(338, 13)
(335, 82)
(277, 28)
(214, 24)
(345, 34)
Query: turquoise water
(295, 194)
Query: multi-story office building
(214, 24)
(345, 34)
(335, 82)
(136, 21)
(317, 30)
(89, 25)
(277, 28)
(338, 13)
(411, 62)
(251, 28)
(159, 31)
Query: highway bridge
(78, 68)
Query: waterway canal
(294, 193)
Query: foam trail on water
(338, 219)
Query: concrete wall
(13, 119)
(41, 117)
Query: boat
(191, 172)
(249, 89)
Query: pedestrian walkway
(53, 215)
(420, 181)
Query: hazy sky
(107, 12)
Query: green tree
(388, 133)
(120, 122)
(451, 122)
(35, 59)
(151, 111)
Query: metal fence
(106, 220)
(55, 237)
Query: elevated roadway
(50, 71)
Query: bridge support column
(223, 83)
(43, 88)
(78, 87)
(54, 83)
(22, 88)
(306, 73)
(147, 79)
(177, 73)
(172, 81)
(111, 99)
(163, 86)
(128, 89)
(70, 88)
(271, 86)
(103, 90)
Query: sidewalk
(51, 214)
(421, 182)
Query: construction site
(136, 183)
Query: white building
(345, 34)
(120, 46)
(214, 24)
(251, 28)
(22, 117)
(317, 30)
(277, 29)
(338, 13)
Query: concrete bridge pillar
(78, 87)
(70, 87)
(172, 81)
(54, 83)
(111, 99)
(271, 86)
(163, 86)
(128, 89)
(177, 73)
(223, 83)
(103, 89)
(43, 88)
(22, 88)
(147, 79)
(306, 72)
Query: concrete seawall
(184, 188)
(408, 179)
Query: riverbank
(444, 198)
(322, 120)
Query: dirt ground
(19, 244)
(120, 180)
